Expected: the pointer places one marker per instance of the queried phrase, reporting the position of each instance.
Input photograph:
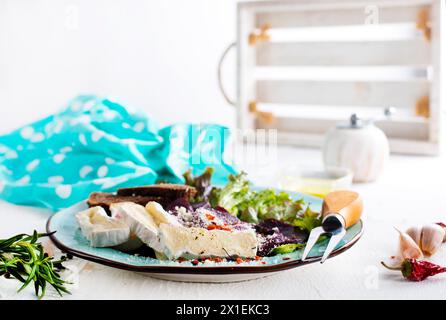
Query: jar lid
(355, 123)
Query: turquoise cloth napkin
(95, 144)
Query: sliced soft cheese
(180, 241)
(177, 240)
(100, 229)
(160, 215)
(140, 222)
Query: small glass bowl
(315, 181)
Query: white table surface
(411, 190)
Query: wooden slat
(314, 15)
(245, 66)
(367, 94)
(341, 73)
(405, 130)
(344, 53)
(405, 146)
(436, 99)
(401, 146)
(287, 5)
(357, 33)
(394, 129)
(336, 112)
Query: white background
(159, 56)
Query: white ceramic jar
(361, 147)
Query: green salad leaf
(308, 220)
(202, 183)
(287, 248)
(257, 205)
(233, 196)
(270, 204)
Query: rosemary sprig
(23, 258)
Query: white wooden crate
(304, 65)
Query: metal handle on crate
(219, 73)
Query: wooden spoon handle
(347, 204)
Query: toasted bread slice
(163, 190)
(104, 200)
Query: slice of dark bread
(164, 190)
(104, 200)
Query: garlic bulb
(428, 237)
(409, 249)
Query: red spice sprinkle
(286, 258)
(257, 258)
(263, 262)
(239, 260)
(210, 216)
(216, 227)
(195, 262)
(214, 259)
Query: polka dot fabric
(95, 144)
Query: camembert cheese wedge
(140, 222)
(100, 229)
(179, 240)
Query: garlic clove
(432, 236)
(441, 224)
(415, 233)
(408, 247)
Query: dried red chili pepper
(415, 270)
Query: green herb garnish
(23, 258)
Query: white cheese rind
(179, 241)
(100, 229)
(140, 222)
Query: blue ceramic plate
(69, 239)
